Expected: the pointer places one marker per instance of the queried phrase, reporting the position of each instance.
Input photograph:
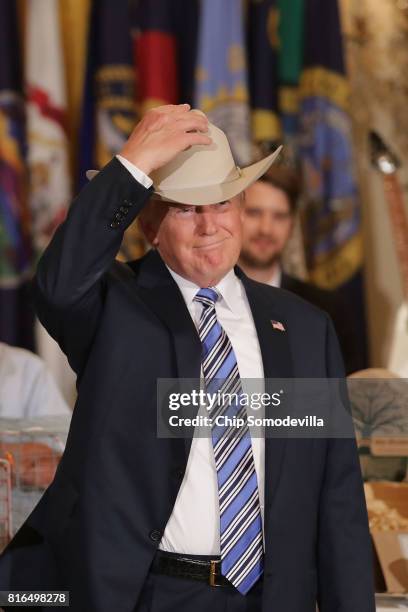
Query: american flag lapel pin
(278, 325)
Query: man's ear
(148, 230)
(150, 220)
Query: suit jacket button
(179, 473)
(155, 535)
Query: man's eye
(184, 211)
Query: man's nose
(267, 225)
(206, 222)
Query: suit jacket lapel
(158, 289)
(275, 349)
(277, 362)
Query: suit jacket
(122, 326)
(333, 303)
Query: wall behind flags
(262, 70)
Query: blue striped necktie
(241, 544)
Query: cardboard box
(392, 550)
(387, 506)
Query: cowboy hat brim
(211, 194)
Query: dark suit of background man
(269, 214)
(131, 520)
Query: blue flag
(221, 74)
(332, 210)
(109, 99)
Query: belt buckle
(213, 574)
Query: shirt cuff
(137, 174)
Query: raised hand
(162, 133)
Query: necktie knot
(207, 296)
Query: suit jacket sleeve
(344, 546)
(69, 286)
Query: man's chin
(259, 262)
(212, 269)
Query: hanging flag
(48, 158)
(221, 75)
(108, 113)
(109, 99)
(263, 57)
(74, 16)
(331, 213)
(165, 47)
(155, 47)
(186, 26)
(16, 313)
(275, 53)
(48, 151)
(290, 63)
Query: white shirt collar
(276, 279)
(229, 288)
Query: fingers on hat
(197, 138)
(179, 108)
(172, 109)
(189, 123)
(199, 112)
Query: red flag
(155, 50)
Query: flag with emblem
(48, 158)
(48, 150)
(165, 35)
(155, 46)
(221, 74)
(109, 100)
(331, 214)
(263, 55)
(16, 315)
(275, 52)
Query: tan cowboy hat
(205, 174)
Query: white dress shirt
(194, 525)
(140, 176)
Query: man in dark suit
(138, 522)
(269, 215)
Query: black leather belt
(189, 566)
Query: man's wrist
(137, 172)
(139, 162)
